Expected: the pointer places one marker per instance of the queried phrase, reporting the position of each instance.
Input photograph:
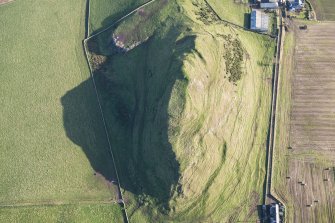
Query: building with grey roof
(259, 21)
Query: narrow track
(268, 197)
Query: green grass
(105, 12)
(280, 160)
(189, 144)
(63, 213)
(51, 134)
(325, 9)
(230, 11)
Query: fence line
(120, 19)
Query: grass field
(231, 11)
(105, 12)
(325, 9)
(305, 174)
(175, 120)
(52, 139)
(63, 213)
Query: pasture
(324, 9)
(104, 12)
(81, 213)
(232, 11)
(176, 121)
(305, 149)
(52, 142)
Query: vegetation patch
(205, 13)
(233, 57)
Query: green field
(230, 11)
(280, 159)
(189, 144)
(52, 139)
(324, 9)
(105, 12)
(63, 213)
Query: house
(295, 5)
(259, 21)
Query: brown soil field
(311, 161)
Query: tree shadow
(137, 90)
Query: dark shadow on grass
(84, 126)
(135, 90)
(247, 20)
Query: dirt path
(2, 2)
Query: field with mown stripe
(52, 141)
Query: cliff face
(187, 110)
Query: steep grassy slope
(48, 106)
(189, 143)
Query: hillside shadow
(84, 126)
(135, 95)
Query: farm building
(269, 4)
(259, 21)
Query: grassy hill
(186, 101)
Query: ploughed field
(312, 129)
